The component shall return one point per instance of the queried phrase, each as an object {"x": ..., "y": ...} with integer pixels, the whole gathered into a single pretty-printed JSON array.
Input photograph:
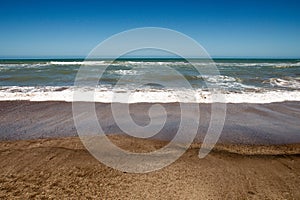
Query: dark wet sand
[
  {"x": 257, "y": 157},
  {"x": 274, "y": 123}
]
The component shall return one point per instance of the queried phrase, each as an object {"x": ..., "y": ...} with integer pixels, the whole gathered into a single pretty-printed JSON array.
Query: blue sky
[{"x": 35, "y": 28}]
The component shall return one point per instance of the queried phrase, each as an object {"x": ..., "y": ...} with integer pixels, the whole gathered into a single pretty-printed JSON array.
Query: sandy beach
[
  {"x": 42, "y": 157},
  {"x": 62, "y": 168}
]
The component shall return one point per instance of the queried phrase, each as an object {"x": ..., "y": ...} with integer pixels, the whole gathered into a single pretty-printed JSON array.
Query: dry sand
[{"x": 63, "y": 169}]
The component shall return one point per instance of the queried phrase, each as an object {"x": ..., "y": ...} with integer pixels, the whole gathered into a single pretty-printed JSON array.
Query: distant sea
[{"x": 241, "y": 80}]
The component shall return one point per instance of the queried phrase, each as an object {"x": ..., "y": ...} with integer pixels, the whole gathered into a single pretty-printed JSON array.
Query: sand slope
[{"x": 62, "y": 168}]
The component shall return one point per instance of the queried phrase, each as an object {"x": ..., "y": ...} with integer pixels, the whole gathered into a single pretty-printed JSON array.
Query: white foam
[
  {"x": 125, "y": 72},
  {"x": 106, "y": 95},
  {"x": 227, "y": 82},
  {"x": 287, "y": 83},
  {"x": 265, "y": 97},
  {"x": 285, "y": 65},
  {"x": 155, "y": 63},
  {"x": 258, "y": 64},
  {"x": 22, "y": 65},
  {"x": 77, "y": 62}
]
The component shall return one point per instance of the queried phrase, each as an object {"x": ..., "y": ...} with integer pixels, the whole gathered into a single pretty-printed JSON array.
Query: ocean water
[{"x": 240, "y": 80}]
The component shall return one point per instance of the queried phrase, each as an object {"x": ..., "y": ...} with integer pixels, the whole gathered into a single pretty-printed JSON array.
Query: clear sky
[{"x": 51, "y": 28}]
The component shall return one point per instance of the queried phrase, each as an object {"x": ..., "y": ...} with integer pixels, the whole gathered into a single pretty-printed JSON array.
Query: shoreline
[{"x": 250, "y": 150}]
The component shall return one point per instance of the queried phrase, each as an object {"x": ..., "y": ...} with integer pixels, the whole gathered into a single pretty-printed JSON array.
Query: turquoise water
[{"x": 236, "y": 75}]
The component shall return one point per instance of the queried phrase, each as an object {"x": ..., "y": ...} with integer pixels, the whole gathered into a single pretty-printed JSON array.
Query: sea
[{"x": 240, "y": 80}]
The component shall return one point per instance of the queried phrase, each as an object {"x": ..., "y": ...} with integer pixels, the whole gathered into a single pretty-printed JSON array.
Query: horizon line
[{"x": 142, "y": 57}]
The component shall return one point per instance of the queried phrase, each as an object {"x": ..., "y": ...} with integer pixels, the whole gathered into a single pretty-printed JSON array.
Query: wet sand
[
  {"x": 257, "y": 156},
  {"x": 273, "y": 123}
]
